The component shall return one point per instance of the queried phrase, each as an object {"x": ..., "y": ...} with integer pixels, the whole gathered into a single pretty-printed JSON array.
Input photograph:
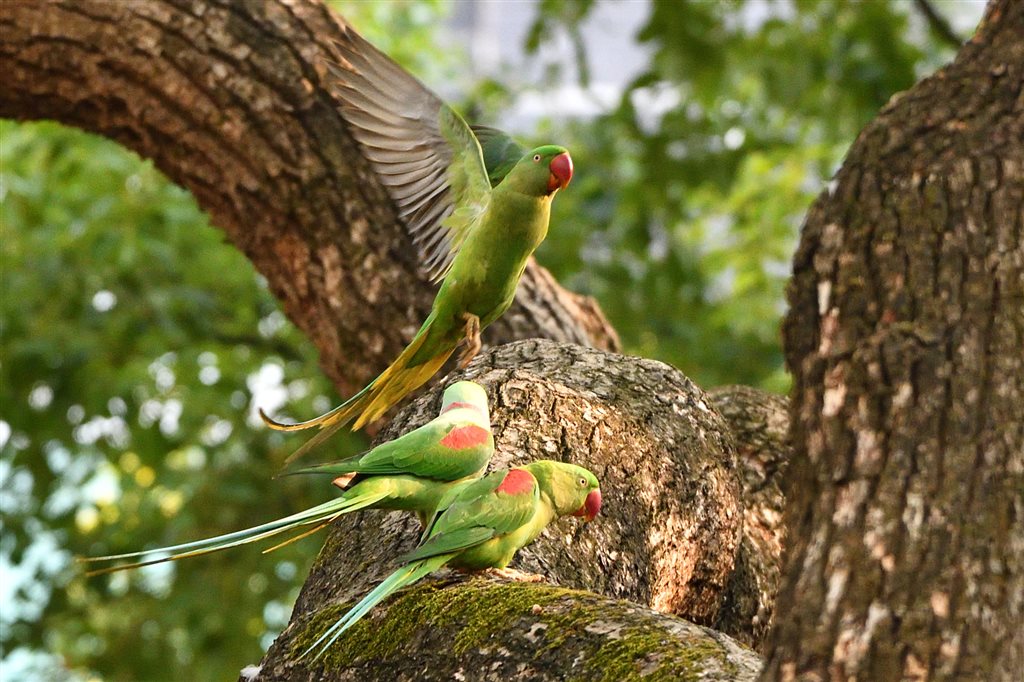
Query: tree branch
[
  {"x": 671, "y": 525},
  {"x": 939, "y": 24},
  {"x": 483, "y": 629}
]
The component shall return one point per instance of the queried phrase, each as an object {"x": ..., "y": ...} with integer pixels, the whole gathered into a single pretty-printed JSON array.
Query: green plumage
[
  {"x": 421, "y": 471},
  {"x": 488, "y": 522},
  {"x": 475, "y": 203}
]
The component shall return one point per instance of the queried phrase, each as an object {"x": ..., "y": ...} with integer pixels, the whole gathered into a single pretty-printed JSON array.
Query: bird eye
[
  {"x": 583, "y": 482},
  {"x": 536, "y": 158}
]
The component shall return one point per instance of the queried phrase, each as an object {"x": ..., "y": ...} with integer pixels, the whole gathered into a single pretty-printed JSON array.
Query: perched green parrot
[
  {"x": 473, "y": 237},
  {"x": 488, "y": 522},
  {"x": 416, "y": 472}
]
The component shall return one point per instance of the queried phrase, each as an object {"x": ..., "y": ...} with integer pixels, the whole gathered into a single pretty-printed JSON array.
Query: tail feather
[
  {"x": 393, "y": 384},
  {"x": 326, "y": 511},
  {"x": 300, "y": 536},
  {"x": 403, "y": 577},
  {"x": 321, "y": 436},
  {"x": 334, "y": 468},
  {"x": 326, "y": 418},
  {"x": 396, "y": 385}
]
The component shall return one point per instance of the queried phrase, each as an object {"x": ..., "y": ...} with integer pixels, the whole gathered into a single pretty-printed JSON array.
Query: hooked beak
[
  {"x": 561, "y": 172},
  {"x": 590, "y": 508}
]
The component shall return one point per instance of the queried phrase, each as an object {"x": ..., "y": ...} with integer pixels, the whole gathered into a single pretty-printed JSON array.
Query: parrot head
[
  {"x": 542, "y": 171},
  {"x": 571, "y": 489},
  {"x": 465, "y": 394}
]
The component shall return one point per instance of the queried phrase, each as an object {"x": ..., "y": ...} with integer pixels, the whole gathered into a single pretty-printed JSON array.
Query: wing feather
[
  {"x": 480, "y": 512},
  {"x": 427, "y": 157}
]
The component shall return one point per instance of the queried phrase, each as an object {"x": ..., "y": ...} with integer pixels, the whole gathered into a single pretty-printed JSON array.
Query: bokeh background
[{"x": 136, "y": 343}]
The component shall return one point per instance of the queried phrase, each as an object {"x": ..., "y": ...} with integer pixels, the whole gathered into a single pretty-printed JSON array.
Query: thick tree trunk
[
  {"x": 667, "y": 537},
  {"x": 226, "y": 98},
  {"x": 906, "y": 340}
]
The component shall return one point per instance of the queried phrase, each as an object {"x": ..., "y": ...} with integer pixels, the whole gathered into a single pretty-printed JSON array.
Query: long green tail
[
  {"x": 393, "y": 384},
  {"x": 403, "y": 577},
  {"x": 320, "y": 513},
  {"x": 329, "y": 422}
]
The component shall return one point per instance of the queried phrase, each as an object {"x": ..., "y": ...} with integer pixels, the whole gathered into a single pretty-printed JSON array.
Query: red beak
[
  {"x": 561, "y": 172},
  {"x": 590, "y": 508}
]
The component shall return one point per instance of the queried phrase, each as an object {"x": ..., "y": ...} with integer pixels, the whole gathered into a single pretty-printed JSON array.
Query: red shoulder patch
[
  {"x": 466, "y": 437},
  {"x": 517, "y": 482}
]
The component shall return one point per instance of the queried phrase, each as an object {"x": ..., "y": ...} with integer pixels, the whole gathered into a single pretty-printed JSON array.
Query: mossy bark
[
  {"x": 906, "y": 341},
  {"x": 228, "y": 99},
  {"x": 480, "y": 628}
]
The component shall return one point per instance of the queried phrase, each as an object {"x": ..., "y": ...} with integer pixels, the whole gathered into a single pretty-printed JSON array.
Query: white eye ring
[
  {"x": 583, "y": 482},
  {"x": 536, "y": 158}
]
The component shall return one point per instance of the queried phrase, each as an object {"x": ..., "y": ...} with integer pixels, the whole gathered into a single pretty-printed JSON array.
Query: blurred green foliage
[
  {"x": 133, "y": 337},
  {"x": 130, "y": 334},
  {"x": 690, "y": 191}
]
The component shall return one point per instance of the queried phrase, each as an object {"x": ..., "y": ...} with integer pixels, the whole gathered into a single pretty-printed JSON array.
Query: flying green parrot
[
  {"x": 488, "y": 522},
  {"x": 475, "y": 203},
  {"x": 416, "y": 472}
]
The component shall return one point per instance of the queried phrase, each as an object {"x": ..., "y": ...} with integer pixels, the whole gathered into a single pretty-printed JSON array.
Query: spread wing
[{"x": 424, "y": 153}]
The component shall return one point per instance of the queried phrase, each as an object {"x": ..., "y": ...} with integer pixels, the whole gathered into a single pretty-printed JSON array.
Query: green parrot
[
  {"x": 475, "y": 214},
  {"x": 486, "y": 524},
  {"x": 416, "y": 472}
]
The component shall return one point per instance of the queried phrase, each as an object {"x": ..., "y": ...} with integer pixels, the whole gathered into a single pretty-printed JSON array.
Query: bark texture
[
  {"x": 760, "y": 427},
  {"x": 671, "y": 523},
  {"x": 227, "y": 99},
  {"x": 906, "y": 341},
  {"x": 458, "y": 628}
]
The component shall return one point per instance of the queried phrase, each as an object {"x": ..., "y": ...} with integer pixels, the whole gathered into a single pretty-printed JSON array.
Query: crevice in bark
[{"x": 759, "y": 422}]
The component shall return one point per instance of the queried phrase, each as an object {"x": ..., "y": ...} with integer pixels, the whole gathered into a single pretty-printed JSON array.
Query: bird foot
[
  {"x": 516, "y": 575},
  {"x": 472, "y": 339}
]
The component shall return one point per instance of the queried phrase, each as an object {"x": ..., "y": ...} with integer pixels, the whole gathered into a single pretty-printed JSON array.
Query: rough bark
[
  {"x": 906, "y": 341},
  {"x": 759, "y": 422},
  {"x": 671, "y": 523},
  {"x": 454, "y": 628},
  {"x": 227, "y": 99}
]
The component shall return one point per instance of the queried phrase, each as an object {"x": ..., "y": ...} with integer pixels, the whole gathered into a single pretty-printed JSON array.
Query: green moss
[
  {"x": 649, "y": 653},
  {"x": 371, "y": 637},
  {"x": 480, "y": 610},
  {"x": 486, "y": 609}
]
